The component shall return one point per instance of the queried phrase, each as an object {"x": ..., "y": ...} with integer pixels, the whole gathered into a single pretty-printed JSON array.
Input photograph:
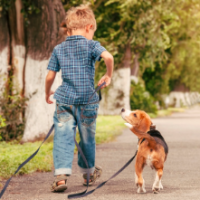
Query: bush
[
  {"x": 12, "y": 112},
  {"x": 2, "y": 122},
  {"x": 141, "y": 99}
]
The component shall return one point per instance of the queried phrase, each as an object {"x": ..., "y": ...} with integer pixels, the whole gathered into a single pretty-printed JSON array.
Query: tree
[
  {"x": 31, "y": 30},
  {"x": 130, "y": 30},
  {"x": 179, "y": 69}
]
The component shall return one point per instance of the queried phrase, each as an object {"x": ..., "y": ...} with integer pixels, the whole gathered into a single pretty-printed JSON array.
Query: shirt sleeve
[
  {"x": 97, "y": 51},
  {"x": 53, "y": 62}
]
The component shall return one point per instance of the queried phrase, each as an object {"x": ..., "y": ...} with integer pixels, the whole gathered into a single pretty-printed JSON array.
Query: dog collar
[{"x": 152, "y": 127}]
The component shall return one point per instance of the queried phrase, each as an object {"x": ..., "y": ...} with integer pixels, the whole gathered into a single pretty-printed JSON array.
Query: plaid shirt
[{"x": 76, "y": 58}]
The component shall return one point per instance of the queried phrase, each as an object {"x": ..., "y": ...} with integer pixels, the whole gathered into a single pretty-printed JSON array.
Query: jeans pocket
[
  {"x": 89, "y": 114},
  {"x": 64, "y": 112}
]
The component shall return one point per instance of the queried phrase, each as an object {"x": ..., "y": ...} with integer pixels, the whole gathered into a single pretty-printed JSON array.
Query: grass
[
  {"x": 169, "y": 111},
  {"x": 108, "y": 127},
  {"x": 12, "y": 154},
  {"x": 166, "y": 112}
]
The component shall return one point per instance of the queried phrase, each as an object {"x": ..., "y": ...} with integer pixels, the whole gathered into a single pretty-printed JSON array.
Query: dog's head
[{"x": 137, "y": 119}]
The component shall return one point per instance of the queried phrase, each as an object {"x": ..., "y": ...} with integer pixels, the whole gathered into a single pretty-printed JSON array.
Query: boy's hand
[
  {"x": 48, "y": 97},
  {"x": 109, "y": 61},
  {"x": 48, "y": 83},
  {"x": 106, "y": 79}
]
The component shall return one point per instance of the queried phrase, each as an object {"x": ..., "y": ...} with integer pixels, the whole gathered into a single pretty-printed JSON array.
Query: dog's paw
[
  {"x": 141, "y": 190},
  {"x": 155, "y": 190}
]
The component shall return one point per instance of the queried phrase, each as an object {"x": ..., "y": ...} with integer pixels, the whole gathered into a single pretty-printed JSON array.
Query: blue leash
[
  {"x": 49, "y": 133},
  {"x": 84, "y": 193}
]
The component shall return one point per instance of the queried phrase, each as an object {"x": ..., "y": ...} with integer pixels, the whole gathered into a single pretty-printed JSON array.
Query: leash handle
[{"x": 98, "y": 88}]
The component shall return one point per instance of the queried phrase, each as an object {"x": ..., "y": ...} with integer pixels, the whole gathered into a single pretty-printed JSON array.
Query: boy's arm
[
  {"x": 109, "y": 61},
  {"x": 48, "y": 83}
]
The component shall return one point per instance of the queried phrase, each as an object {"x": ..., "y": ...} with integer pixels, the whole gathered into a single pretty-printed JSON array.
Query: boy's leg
[
  {"x": 63, "y": 150},
  {"x": 87, "y": 127}
]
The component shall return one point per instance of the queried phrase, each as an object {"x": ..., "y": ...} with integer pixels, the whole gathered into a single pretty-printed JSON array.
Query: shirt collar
[{"x": 75, "y": 37}]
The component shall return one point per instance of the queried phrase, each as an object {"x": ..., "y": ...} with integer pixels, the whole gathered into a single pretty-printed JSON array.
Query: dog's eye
[{"x": 135, "y": 115}]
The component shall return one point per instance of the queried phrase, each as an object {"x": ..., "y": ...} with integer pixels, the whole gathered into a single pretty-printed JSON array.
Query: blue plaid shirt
[{"x": 76, "y": 58}]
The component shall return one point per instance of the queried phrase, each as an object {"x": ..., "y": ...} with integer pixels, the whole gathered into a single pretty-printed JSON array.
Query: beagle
[{"x": 152, "y": 148}]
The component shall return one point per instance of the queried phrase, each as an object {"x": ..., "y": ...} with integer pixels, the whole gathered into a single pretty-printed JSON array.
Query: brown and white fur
[{"x": 152, "y": 151}]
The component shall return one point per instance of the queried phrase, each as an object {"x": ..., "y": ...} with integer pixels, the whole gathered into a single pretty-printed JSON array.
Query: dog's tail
[
  {"x": 150, "y": 139},
  {"x": 143, "y": 135}
]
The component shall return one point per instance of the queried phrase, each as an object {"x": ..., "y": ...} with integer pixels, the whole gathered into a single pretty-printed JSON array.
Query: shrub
[
  {"x": 12, "y": 107},
  {"x": 141, "y": 99},
  {"x": 2, "y": 122}
]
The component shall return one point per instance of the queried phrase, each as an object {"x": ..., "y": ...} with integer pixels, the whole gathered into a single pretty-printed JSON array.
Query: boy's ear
[
  {"x": 88, "y": 27},
  {"x": 63, "y": 28}
]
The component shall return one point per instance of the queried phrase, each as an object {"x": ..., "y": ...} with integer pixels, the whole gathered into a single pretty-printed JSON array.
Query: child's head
[{"x": 81, "y": 17}]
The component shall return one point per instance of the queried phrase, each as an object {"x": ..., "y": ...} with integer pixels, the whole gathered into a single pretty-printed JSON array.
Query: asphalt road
[{"x": 181, "y": 178}]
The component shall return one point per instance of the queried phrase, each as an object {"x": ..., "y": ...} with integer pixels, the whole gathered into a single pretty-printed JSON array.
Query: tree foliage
[
  {"x": 134, "y": 23},
  {"x": 180, "y": 23},
  {"x": 165, "y": 34},
  {"x": 140, "y": 98},
  {"x": 29, "y": 7}
]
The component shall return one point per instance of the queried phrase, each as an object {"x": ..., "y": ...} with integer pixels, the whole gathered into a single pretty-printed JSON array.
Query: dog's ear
[{"x": 145, "y": 122}]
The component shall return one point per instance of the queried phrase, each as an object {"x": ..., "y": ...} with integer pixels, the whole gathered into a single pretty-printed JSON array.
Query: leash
[
  {"x": 84, "y": 193},
  {"x": 48, "y": 134}
]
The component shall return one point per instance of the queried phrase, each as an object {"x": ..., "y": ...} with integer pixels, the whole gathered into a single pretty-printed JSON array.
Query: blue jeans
[{"x": 66, "y": 119}]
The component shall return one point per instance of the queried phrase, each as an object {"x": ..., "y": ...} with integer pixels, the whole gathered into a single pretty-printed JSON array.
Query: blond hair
[{"x": 79, "y": 17}]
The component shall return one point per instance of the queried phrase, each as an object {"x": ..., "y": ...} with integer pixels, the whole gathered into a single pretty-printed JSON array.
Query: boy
[{"x": 76, "y": 57}]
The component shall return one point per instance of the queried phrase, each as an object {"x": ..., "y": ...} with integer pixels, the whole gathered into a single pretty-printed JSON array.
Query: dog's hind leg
[
  {"x": 140, "y": 184},
  {"x": 139, "y": 181},
  {"x": 157, "y": 185}
]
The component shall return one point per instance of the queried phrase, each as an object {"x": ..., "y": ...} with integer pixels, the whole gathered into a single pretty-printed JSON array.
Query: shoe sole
[{"x": 60, "y": 188}]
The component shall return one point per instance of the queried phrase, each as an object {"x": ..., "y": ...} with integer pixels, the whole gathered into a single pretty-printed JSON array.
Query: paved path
[{"x": 181, "y": 179}]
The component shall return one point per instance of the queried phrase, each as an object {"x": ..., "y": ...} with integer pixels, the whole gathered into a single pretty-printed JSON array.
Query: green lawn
[{"x": 12, "y": 155}]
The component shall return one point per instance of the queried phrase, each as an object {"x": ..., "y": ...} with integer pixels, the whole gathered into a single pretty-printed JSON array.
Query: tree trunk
[
  {"x": 27, "y": 50},
  {"x": 4, "y": 51},
  {"x": 135, "y": 69},
  {"x": 117, "y": 95},
  {"x": 43, "y": 34},
  {"x": 18, "y": 50}
]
